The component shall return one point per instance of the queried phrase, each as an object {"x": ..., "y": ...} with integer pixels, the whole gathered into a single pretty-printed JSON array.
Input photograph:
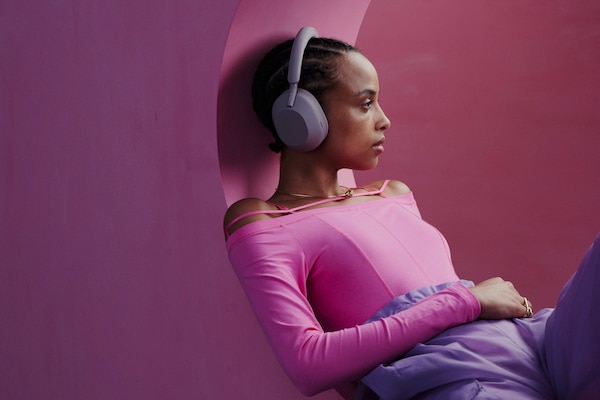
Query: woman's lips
[{"x": 379, "y": 146}]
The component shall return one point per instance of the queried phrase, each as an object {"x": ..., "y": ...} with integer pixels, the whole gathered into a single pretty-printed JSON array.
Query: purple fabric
[
  {"x": 555, "y": 354},
  {"x": 403, "y": 302},
  {"x": 572, "y": 346}
]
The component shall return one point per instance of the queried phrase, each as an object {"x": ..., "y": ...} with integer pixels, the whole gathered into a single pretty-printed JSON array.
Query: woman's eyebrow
[{"x": 366, "y": 91}]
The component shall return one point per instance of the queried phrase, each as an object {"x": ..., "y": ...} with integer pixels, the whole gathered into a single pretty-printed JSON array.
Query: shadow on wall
[{"x": 248, "y": 167}]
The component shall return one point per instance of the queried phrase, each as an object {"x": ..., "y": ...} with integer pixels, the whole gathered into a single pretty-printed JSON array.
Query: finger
[{"x": 528, "y": 308}]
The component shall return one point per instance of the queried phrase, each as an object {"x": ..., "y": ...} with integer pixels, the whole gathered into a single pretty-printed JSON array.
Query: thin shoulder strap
[
  {"x": 251, "y": 213},
  {"x": 375, "y": 191},
  {"x": 284, "y": 210},
  {"x": 381, "y": 190},
  {"x": 280, "y": 210}
]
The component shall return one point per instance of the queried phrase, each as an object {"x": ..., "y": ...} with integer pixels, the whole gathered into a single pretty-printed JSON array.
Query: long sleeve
[{"x": 274, "y": 269}]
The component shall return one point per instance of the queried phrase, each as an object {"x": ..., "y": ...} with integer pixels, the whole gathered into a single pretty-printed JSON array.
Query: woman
[{"x": 317, "y": 259}]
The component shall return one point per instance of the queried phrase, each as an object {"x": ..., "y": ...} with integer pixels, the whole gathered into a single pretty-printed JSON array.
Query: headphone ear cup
[{"x": 303, "y": 126}]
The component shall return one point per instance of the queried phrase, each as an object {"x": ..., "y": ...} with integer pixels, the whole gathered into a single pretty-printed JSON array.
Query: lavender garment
[{"x": 554, "y": 355}]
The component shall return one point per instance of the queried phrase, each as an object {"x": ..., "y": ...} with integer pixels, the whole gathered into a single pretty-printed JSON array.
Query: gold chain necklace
[{"x": 347, "y": 193}]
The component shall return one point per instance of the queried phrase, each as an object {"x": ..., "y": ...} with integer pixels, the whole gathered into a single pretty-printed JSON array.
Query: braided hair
[{"x": 319, "y": 73}]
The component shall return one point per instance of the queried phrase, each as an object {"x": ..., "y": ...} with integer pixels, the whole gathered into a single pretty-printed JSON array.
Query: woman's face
[{"x": 356, "y": 120}]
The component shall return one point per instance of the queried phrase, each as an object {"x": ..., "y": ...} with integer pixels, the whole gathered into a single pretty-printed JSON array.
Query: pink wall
[
  {"x": 494, "y": 109},
  {"x": 109, "y": 198},
  {"x": 115, "y": 172},
  {"x": 114, "y": 281}
]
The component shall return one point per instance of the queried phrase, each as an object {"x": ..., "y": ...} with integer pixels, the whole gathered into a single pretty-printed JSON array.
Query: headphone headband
[
  {"x": 295, "y": 65},
  {"x": 300, "y": 43}
]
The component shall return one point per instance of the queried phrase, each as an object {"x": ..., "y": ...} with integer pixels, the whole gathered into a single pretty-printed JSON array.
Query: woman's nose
[{"x": 384, "y": 122}]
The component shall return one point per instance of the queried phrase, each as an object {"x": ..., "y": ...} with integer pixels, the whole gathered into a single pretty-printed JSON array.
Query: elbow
[
  {"x": 308, "y": 387},
  {"x": 314, "y": 367},
  {"x": 311, "y": 380}
]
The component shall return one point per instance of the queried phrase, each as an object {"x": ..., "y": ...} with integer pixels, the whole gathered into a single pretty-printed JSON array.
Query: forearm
[{"x": 316, "y": 360}]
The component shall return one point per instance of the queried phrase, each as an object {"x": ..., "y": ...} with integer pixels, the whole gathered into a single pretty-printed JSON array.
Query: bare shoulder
[
  {"x": 245, "y": 206},
  {"x": 393, "y": 188},
  {"x": 397, "y": 188}
]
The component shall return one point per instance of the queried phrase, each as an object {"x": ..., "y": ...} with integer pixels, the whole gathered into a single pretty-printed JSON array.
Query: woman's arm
[{"x": 273, "y": 273}]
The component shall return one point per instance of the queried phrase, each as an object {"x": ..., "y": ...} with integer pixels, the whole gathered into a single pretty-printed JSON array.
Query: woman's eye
[{"x": 368, "y": 103}]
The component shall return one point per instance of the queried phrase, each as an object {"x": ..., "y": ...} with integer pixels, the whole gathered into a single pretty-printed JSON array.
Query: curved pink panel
[{"x": 247, "y": 166}]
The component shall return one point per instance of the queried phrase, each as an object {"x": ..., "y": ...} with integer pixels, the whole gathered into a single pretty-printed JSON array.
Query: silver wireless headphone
[{"x": 299, "y": 119}]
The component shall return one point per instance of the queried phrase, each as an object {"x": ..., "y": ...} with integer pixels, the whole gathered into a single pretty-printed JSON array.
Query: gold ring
[{"x": 528, "y": 309}]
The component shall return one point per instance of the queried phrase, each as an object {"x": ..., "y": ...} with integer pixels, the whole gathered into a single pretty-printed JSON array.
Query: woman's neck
[{"x": 308, "y": 179}]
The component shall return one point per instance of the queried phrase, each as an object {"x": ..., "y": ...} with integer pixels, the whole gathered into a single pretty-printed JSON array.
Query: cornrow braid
[{"x": 319, "y": 73}]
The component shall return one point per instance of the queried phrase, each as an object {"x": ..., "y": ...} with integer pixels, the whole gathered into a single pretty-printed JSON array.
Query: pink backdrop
[
  {"x": 495, "y": 122},
  {"x": 120, "y": 128}
]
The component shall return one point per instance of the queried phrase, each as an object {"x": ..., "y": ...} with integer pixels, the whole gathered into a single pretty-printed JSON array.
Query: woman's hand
[{"x": 499, "y": 300}]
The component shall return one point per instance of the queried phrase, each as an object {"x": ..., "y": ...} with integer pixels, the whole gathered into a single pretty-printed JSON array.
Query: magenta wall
[
  {"x": 495, "y": 122},
  {"x": 118, "y": 158},
  {"x": 109, "y": 198},
  {"x": 114, "y": 280}
]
